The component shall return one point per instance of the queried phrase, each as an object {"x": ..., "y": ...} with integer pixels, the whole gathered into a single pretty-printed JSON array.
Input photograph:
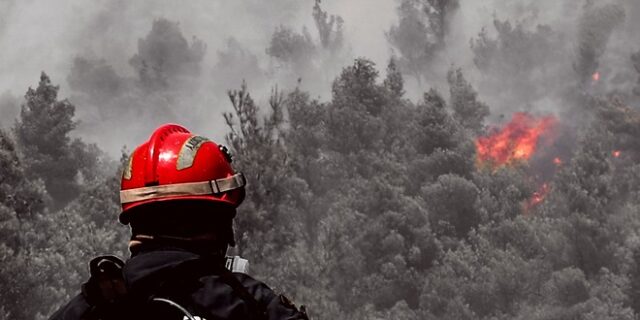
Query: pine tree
[
  {"x": 596, "y": 26},
  {"x": 165, "y": 57},
  {"x": 292, "y": 50},
  {"x": 467, "y": 110},
  {"x": 420, "y": 33},
  {"x": 43, "y": 134},
  {"x": 330, "y": 38}
]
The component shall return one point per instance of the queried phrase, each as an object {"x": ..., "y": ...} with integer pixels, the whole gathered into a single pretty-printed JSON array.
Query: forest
[{"x": 421, "y": 188}]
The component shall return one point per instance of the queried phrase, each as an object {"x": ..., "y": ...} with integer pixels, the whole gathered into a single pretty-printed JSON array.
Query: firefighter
[{"x": 179, "y": 195}]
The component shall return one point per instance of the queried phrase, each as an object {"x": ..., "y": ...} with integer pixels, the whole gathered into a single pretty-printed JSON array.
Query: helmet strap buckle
[{"x": 214, "y": 186}]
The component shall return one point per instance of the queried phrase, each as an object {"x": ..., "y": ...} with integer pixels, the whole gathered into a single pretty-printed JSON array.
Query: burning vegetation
[
  {"x": 557, "y": 161},
  {"x": 516, "y": 141},
  {"x": 537, "y": 197}
]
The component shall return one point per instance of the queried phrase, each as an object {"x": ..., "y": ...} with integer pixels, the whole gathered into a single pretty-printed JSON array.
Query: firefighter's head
[{"x": 180, "y": 186}]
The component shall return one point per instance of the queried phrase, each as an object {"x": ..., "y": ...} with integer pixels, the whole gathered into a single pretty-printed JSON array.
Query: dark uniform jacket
[{"x": 211, "y": 298}]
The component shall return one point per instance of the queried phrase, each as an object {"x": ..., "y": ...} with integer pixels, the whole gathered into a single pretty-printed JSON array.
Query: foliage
[
  {"x": 370, "y": 205},
  {"x": 301, "y": 56},
  {"x": 404, "y": 225},
  {"x": 41, "y": 237},
  {"x": 48, "y": 152},
  {"x": 514, "y": 50},
  {"x": 469, "y": 112},
  {"x": 330, "y": 38},
  {"x": 235, "y": 64},
  {"x": 596, "y": 26},
  {"x": 291, "y": 48},
  {"x": 420, "y": 33},
  {"x": 165, "y": 56}
]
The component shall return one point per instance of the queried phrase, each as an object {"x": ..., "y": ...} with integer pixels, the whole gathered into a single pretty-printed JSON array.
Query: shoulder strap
[
  {"x": 106, "y": 284},
  {"x": 106, "y": 291},
  {"x": 230, "y": 279}
]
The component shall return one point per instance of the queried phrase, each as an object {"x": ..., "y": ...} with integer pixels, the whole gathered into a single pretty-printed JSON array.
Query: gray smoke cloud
[{"x": 519, "y": 55}]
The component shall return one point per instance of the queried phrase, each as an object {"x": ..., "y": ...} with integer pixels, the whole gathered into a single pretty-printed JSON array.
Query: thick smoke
[
  {"x": 164, "y": 61},
  {"x": 132, "y": 66}
]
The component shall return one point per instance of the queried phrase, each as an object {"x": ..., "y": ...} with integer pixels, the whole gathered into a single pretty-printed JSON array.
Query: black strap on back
[
  {"x": 259, "y": 310},
  {"x": 106, "y": 284},
  {"x": 109, "y": 296},
  {"x": 106, "y": 291}
]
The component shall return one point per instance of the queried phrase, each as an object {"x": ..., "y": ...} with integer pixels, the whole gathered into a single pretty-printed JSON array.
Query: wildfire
[
  {"x": 516, "y": 141},
  {"x": 595, "y": 76},
  {"x": 557, "y": 161},
  {"x": 538, "y": 196}
]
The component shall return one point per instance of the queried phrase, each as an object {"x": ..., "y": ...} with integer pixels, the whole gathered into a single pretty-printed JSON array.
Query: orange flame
[
  {"x": 516, "y": 141},
  {"x": 557, "y": 161},
  {"x": 596, "y": 76},
  {"x": 538, "y": 196},
  {"x": 616, "y": 153}
]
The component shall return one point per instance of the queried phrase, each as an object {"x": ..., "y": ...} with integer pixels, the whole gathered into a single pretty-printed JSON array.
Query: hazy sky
[{"x": 45, "y": 36}]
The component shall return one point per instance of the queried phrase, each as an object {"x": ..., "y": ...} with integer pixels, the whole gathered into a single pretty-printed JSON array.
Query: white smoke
[{"x": 46, "y": 36}]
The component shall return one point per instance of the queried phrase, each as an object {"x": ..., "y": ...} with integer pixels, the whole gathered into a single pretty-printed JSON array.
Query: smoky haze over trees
[
  {"x": 486, "y": 168},
  {"x": 420, "y": 33}
]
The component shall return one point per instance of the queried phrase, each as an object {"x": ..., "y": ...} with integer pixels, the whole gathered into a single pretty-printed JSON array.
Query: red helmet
[{"x": 177, "y": 165}]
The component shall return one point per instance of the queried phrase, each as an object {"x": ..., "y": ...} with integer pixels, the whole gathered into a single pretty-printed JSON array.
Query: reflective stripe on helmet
[{"x": 183, "y": 189}]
